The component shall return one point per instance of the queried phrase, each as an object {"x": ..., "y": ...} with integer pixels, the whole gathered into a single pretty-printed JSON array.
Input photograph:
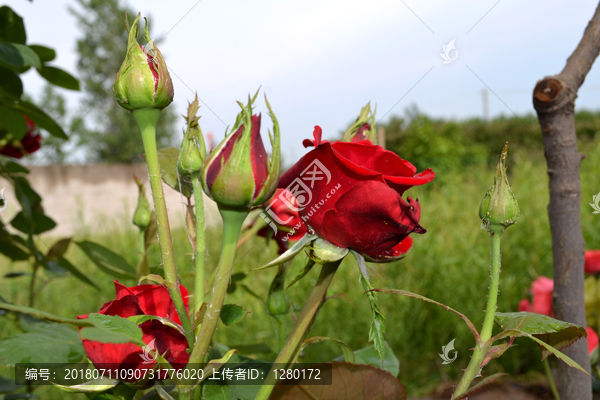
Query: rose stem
[
  {"x": 308, "y": 313},
  {"x": 232, "y": 223},
  {"x": 143, "y": 268},
  {"x": 146, "y": 120},
  {"x": 473, "y": 369},
  {"x": 200, "y": 250},
  {"x": 551, "y": 379}
]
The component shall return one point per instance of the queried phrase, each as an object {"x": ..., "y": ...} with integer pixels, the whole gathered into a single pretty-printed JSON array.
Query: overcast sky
[{"x": 319, "y": 61}]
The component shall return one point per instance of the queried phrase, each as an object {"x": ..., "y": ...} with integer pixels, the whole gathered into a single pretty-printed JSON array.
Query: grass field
[{"x": 450, "y": 263}]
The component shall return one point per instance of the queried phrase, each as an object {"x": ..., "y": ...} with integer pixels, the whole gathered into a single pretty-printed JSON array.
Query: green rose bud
[
  {"x": 238, "y": 173},
  {"x": 364, "y": 128},
  {"x": 143, "y": 80},
  {"x": 143, "y": 213},
  {"x": 277, "y": 301},
  {"x": 499, "y": 208},
  {"x": 193, "y": 150}
]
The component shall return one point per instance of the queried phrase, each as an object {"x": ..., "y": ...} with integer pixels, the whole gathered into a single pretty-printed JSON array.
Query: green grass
[{"x": 450, "y": 263}]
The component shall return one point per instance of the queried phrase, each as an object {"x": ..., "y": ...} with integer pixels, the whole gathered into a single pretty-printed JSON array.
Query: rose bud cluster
[
  {"x": 238, "y": 173},
  {"x": 143, "y": 80},
  {"x": 30, "y": 143}
]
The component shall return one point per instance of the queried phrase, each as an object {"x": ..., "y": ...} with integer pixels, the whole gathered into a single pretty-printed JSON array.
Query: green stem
[
  {"x": 551, "y": 379},
  {"x": 143, "y": 268},
  {"x": 200, "y": 250},
  {"x": 232, "y": 223},
  {"x": 304, "y": 321},
  {"x": 280, "y": 331},
  {"x": 146, "y": 120},
  {"x": 474, "y": 368}
]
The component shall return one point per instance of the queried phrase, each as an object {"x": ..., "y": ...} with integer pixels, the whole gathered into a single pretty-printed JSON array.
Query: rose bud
[
  {"x": 499, "y": 208},
  {"x": 143, "y": 80},
  {"x": 30, "y": 143},
  {"x": 363, "y": 128},
  {"x": 350, "y": 194},
  {"x": 193, "y": 150},
  {"x": 143, "y": 213},
  {"x": 277, "y": 300},
  {"x": 238, "y": 173}
]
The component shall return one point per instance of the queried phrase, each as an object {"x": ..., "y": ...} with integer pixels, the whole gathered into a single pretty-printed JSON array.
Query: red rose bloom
[
  {"x": 541, "y": 291},
  {"x": 592, "y": 262},
  {"x": 592, "y": 339},
  {"x": 350, "y": 193},
  {"x": 30, "y": 143},
  {"x": 282, "y": 211},
  {"x": 141, "y": 300}
]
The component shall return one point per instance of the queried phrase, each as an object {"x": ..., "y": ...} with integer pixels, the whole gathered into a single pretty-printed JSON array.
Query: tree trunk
[{"x": 554, "y": 101}]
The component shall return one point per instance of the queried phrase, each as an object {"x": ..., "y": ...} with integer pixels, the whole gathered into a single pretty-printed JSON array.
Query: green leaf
[
  {"x": 369, "y": 356},
  {"x": 231, "y": 314},
  {"x": 58, "y": 77},
  {"x": 52, "y": 343},
  {"x": 10, "y": 84},
  {"x": 291, "y": 252},
  {"x": 93, "y": 386},
  {"x": 377, "y": 329},
  {"x": 347, "y": 352},
  {"x": 7, "y": 385},
  {"x": 18, "y": 55},
  {"x": 58, "y": 249},
  {"x": 15, "y": 274},
  {"x": 108, "y": 261},
  {"x": 45, "y": 54},
  {"x": 418, "y": 296},
  {"x": 350, "y": 382},
  {"x": 41, "y": 223},
  {"x": 63, "y": 262},
  {"x": 309, "y": 264},
  {"x": 140, "y": 319},
  {"x": 13, "y": 121},
  {"x": 12, "y": 167},
  {"x": 41, "y": 119},
  {"x": 12, "y": 28},
  {"x": 13, "y": 246},
  {"x": 546, "y": 348},
  {"x": 558, "y": 334},
  {"x": 112, "y": 329},
  {"x": 19, "y": 396},
  {"x": 162, "y": 393},
  {"x": 219, "y": 392},
  {"x": 167, "y": 158},
  {"x": 44, "y": 315}
]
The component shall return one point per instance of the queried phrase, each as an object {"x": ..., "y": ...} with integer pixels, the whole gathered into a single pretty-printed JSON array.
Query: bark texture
[{"x": 554, "y": 101}]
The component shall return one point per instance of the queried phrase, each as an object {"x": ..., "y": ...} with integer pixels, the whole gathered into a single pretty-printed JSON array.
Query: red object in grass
[
  {"x": 541, "y": 291},
  {"x": 592, "y": 262}
]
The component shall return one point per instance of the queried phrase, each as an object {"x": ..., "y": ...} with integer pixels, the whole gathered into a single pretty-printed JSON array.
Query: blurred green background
[{"x": 450, "y": 263}]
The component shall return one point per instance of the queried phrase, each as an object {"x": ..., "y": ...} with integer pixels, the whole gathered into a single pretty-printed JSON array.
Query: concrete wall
[{"x": 99, "y": 197}]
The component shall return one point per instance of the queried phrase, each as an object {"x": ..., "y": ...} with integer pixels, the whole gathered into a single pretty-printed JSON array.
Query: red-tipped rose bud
[
  {"x": 363, "y": 129},
  {"x": 143, "y": 80},
  {"x": 238, "y": 173}
]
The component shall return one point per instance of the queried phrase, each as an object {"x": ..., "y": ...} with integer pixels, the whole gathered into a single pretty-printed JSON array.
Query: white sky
[{"x": 319, "y": 61}]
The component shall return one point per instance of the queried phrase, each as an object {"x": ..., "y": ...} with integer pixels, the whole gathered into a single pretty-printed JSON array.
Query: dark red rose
[
  {"x": 592, "y": 262},
  {"x": 141, "y": 300},
  {"x": 284, "y": 215},
  {"x": 30, "y": 143},
  {"x": 350, "y": 193}
]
